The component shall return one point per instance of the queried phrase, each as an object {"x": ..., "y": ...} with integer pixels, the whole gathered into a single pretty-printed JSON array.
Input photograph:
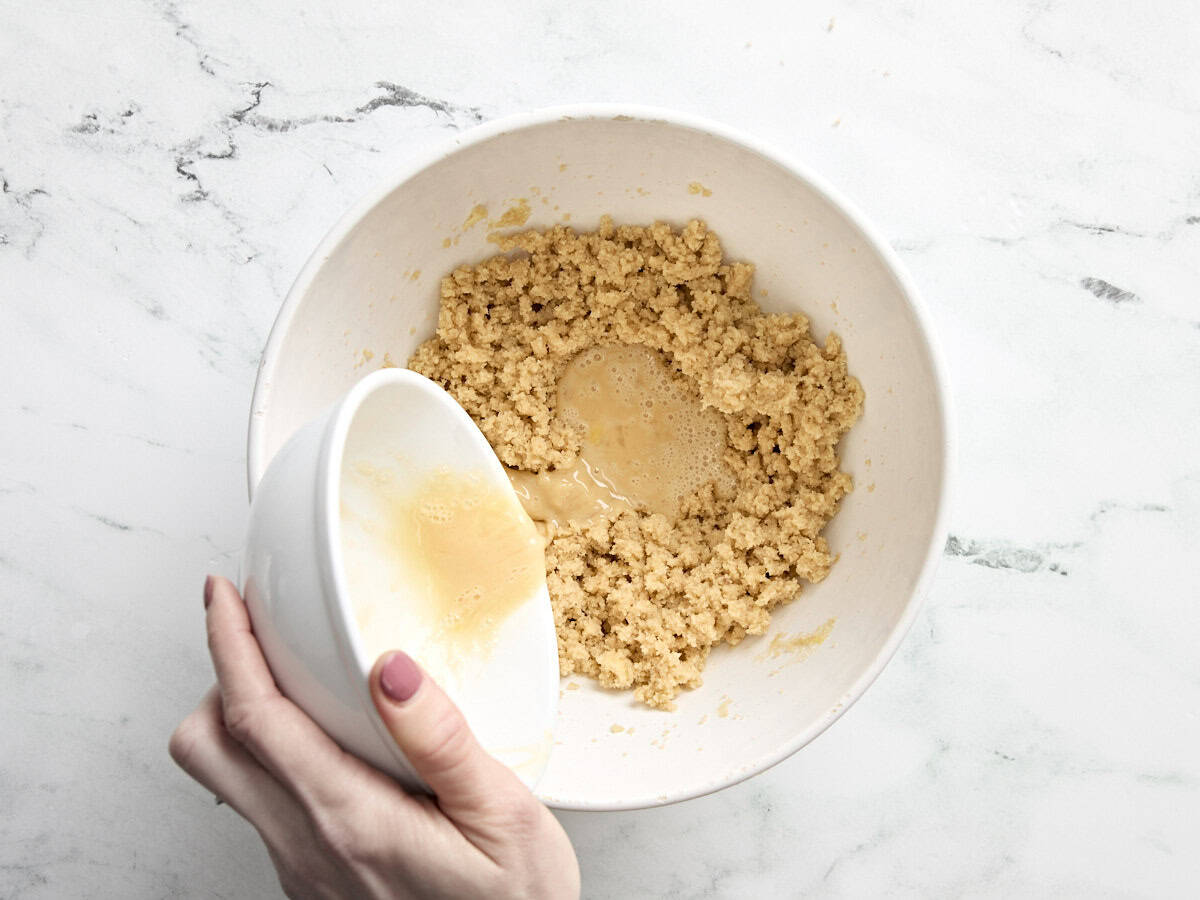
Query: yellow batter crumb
[
  {"x": 640, "y": 600},
  {"x": 478, "y": 214},
  {"x": 514, "y": 216}
]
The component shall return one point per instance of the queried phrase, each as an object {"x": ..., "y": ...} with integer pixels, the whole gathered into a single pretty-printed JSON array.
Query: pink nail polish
[
  {"x": 208, "y": 589},
  {"x": 400, "y": 677}
]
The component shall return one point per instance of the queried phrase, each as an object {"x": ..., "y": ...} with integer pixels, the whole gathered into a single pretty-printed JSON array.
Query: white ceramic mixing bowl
[
  {"x": 401, "y": 428},
  {"x": 371, "y": 289}
]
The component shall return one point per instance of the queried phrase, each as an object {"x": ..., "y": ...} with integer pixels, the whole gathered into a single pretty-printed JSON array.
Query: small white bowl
[
  {"x": 403, "y": 427},
  {"x": 371, "y": 288}
]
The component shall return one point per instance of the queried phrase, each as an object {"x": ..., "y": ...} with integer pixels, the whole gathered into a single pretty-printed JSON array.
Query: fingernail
[
  {"x": 208, "y": 589},
  {"x": 400, "y": 676}
]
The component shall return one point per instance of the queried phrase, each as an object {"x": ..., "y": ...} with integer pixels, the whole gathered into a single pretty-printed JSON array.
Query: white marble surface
[{"x": 166, "y": 167}]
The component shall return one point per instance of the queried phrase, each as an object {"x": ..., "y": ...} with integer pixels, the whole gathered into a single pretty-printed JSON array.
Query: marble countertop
[{"x": 167, "y": 166}]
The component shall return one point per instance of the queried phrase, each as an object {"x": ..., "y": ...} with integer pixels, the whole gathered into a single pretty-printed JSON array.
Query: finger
[
  {"x": 301, "y": 756},
  {"x": 202, "y": 748},
  {"x": 242, "y": 672},
  {"x": 432, "y": 733}
]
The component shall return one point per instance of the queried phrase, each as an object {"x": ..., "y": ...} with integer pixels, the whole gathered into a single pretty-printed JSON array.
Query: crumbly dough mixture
[{"x": 641, "y": 600}]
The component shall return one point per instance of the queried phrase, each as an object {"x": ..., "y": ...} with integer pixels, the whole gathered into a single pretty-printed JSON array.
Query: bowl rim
[
  {"x": 256, "y": 465},
  {"x": 335, "y": 590}
]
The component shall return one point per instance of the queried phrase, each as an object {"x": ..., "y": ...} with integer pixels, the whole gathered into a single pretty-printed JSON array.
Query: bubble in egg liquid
[{"x": 646, "y": 431}]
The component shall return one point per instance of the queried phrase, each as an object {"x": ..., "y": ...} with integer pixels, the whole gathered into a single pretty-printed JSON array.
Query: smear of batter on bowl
[
  {"x": 798, "y": 646},
  {"x": 478, "y": 214},
  {"x": 527, "y": 758},
  {"x": 666, "y": 554},
  {"x": 514, "y": 216}
]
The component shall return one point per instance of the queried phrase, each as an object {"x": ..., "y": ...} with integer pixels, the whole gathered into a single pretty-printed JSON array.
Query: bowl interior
[
  {"x": 370, "y": 295},
  {"x": 402, "y": 432}
]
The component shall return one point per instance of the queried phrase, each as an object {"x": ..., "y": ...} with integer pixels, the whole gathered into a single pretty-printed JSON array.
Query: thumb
[{"x": 434, "y": 736}]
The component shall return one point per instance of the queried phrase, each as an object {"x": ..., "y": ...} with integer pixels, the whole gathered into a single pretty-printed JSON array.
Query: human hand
[{"x": 335, "y": 826}]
